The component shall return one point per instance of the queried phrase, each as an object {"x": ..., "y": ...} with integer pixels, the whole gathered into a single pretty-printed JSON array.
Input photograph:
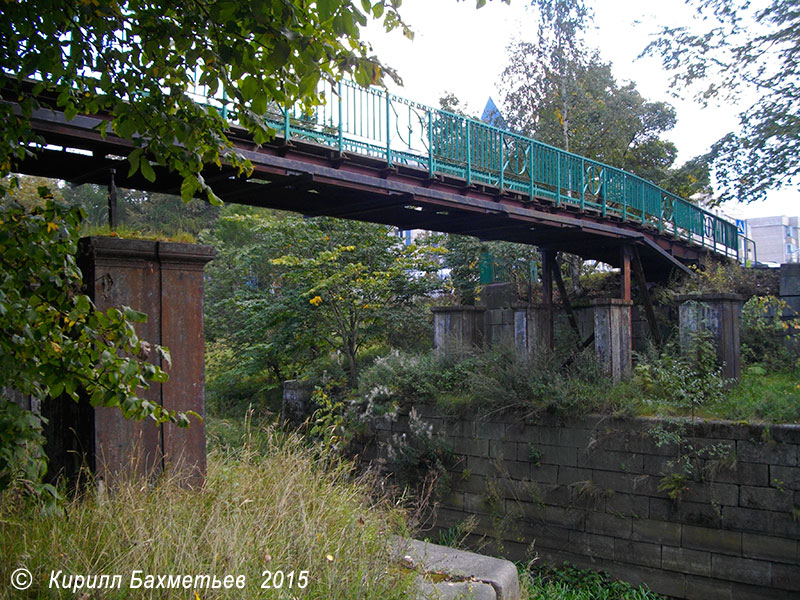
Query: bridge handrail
[{"x": 376, "y": 123}]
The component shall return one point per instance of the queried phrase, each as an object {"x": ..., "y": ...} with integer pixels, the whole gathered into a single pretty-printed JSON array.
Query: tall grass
[
  {"x": 268, "y": 504},
  {"x": 571, "y": 583}
]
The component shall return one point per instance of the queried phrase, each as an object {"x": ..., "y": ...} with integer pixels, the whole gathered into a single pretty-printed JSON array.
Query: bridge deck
[{"x": 590, "y": 209}]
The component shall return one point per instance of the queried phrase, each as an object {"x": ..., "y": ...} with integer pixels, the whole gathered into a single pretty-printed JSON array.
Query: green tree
[
  {"x": 512, "y": 262},
  {"x": 560, "y": 92},
  {"x": 139, "y": 62},
  {"x": 285, "y": 291},
  {"x": 53, "y": 341},
  {"x": 608, "y": 122},
  {"x": 354, "y": 277},
  {"x": 737, "y": 50}
]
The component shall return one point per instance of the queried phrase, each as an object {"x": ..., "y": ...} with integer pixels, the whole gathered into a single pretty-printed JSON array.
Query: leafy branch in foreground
[
  {"x": 733, "y": 51},
  {"x": 55, "y": 344},
  {"x": 140, "y": 62}
]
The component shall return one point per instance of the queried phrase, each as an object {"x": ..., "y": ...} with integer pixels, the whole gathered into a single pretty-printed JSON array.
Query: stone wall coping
[
  {"x": 780, "y": 432},
  {"x": 710, "y": 297},
  {"x": 499, "y": 573},
  {"x": 610, "y": 302},
  {"x": 458, "y": 308}
]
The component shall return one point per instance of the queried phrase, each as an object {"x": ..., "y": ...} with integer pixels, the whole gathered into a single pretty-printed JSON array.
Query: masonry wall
[{"x": 586, "y": 491}]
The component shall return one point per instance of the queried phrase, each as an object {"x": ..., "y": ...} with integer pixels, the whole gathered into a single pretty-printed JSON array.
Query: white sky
[{"x": 462, "y": 50}]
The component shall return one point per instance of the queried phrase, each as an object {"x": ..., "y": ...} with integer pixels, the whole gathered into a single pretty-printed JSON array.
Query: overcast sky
[{"x": 462, "y": 50}]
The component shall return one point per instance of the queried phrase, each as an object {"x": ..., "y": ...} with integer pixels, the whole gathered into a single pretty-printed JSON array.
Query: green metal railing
[{"x": 376, "y": 123}]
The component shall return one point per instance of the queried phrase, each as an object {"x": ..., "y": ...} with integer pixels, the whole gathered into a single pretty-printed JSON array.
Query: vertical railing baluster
[
  {"x": 583, "y": 184},
  {"x": 388, "y": 130},
  {"x": 502, "y": 161},
  {"x": 530, "y": 170},
  {"x": 604, "y": 188},
  {"x": 286, "y": 125},
  {"x": 641, "y": 185},
  {"x": 341, "y": 126},
  {"x": 430, "y": 144},
  {"x": 624, "y": 197},
  {"x": 469, "y": 154},
  {"x": 558, "y": 178},
  {"x": 674, "y": 216},
  {"x": 714, "y": 231}
]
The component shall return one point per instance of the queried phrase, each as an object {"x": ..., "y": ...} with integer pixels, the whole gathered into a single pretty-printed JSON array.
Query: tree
[
  {"x": 734, "y": 51},
  {"x": 286, "y": 290},
  {"x": 557, "y": 55},
  {"x": 139, "y": 62},
  {"x": 610, "y": 123}
]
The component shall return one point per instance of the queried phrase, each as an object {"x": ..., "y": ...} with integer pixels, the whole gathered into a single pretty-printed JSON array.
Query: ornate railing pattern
[{"x": 376, "y": 123}]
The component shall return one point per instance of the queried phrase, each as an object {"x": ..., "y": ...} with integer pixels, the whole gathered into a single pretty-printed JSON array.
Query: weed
[
  {"x": 456, "y": 536},
  {"x": 570, "y": 583},
  {"x": 534, "y": 455},
  {"x": 674, "y": 485},
  {"x": 779, "y": 485},
  {"x": 591, "y": 491}
]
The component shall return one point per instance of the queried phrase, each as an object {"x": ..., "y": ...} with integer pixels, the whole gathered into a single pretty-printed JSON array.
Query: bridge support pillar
[
  {"x": 719, "y": 315},
  {"x": 533, "y": 329},
  {"x": 548, "y": 264},
  {"x": 165, "y": 281},
  {"x": 626, "y": 254},
  {"x": 612, "y": 336},
  {"x": 458, "y": 328}
]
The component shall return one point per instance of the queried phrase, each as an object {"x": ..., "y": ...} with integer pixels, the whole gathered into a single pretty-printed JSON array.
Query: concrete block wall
[{"x": 587, "y": 492}]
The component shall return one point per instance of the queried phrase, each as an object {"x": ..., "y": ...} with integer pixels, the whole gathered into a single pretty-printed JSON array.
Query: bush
[
  {"x": 55, "y": 346},
  {"x": 765, "y": 333},
  {"x": 498, "y": 378},
  {"x": 676, "y": 384}
]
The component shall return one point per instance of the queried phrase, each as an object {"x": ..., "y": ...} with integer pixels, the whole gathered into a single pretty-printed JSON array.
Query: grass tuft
[{"x": 268, "y": 504}]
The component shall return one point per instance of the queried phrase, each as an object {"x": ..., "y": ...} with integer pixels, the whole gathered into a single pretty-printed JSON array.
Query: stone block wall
[{"x": 587, "y": 492}]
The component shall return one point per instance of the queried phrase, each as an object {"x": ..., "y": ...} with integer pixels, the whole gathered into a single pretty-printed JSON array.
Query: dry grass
[{"x": 269, "y": 504}]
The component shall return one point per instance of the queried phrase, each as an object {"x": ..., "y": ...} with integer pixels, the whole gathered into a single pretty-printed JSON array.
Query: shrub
[
  {"x": 765, "y": 332},
  {"x": 679, "y": 384},
  {"x": 497, "y": 378},
  {"x": 570, "y": 583}
]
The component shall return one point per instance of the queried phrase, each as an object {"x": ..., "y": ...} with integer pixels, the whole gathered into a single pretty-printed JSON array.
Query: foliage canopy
[
  {"x": 139, "y": 62},
  {"x": 286, "y": 291},
  {"x": 563, "y": 94},
  {"x": 737, "y": 51}
]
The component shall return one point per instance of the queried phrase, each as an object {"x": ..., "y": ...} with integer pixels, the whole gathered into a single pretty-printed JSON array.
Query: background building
[{"x": 777, "y": 238}]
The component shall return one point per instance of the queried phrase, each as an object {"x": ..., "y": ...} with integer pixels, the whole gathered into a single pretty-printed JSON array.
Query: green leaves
[
  {"x": 147, "y": 170},
  {"x": 308, "y": 286},
  {"x": 54, "y": 344},
  {"x": 743, "y": 50},
  {"x": 251, "y": 56}
]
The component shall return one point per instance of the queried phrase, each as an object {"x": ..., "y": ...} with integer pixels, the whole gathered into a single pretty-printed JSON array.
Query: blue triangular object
[{"x": 491, "y": 115}]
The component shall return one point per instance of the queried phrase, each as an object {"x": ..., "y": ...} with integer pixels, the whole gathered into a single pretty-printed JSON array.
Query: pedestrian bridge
[{"x": 369, "y": 155}]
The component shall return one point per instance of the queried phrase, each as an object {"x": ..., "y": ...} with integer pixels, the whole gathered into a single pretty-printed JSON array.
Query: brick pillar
[
  {"x": 165, "y": 281},
  {"x": 533, "y": 329},
  {"x": 612, "y": 336},
  {"x": 790, "y": 285},
  {"x": 457, "y": 328},
  {"x": 719, "y": 314}
]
